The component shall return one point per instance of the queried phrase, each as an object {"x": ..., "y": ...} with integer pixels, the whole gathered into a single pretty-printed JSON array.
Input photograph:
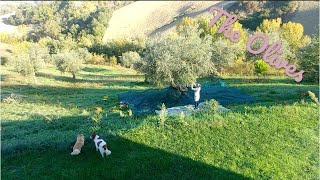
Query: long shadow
[
  {"x": 90, "y": 69},
  {"x": 282, "y": 94},
  {"x": 42, "y": 132},
  {"x": 129, "y": 160},
  {"x": 121, "y": 80},
  {"x": 253, "y": 80},
  {"x": 82, "y": 97}
]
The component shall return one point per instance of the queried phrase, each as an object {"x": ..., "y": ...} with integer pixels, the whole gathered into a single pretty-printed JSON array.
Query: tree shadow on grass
[
  {"x": 270, "y": 91},
  {"x": 54, "y": 131},
  {"x": 119, "y": 80},
  {"x": 252, "y": 80},
  {"x": 129, "y": 160},
  {"x": 89, "y": 69},
  {"x": 68, "y": 96}
]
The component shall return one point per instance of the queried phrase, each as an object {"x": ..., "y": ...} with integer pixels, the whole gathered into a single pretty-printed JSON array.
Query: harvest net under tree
[{"x": 146, "y": 102}]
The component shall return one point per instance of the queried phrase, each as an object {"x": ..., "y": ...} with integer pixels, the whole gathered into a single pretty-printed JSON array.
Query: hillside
[
  {"x": 5, "y": 28},
  {"x": 152, "y": 17},
  {"x": 307, "y": 14}
]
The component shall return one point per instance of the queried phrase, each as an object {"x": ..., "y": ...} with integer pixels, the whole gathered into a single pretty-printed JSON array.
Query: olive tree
[
  {"x": 178, "y": 60},
  {"x": 70, "y": 62},
  {"x": 129, "y": 59},
  {"x": 224, "y": 53},
  {"x": 31, "y": 62},
  {"x": 309, "y": 60}
]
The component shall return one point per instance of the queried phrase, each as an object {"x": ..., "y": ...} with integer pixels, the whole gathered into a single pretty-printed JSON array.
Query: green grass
[{"x": 275, "y": 137}]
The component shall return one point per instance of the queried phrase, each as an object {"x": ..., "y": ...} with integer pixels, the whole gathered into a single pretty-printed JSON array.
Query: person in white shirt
[{"x": 196, "y": 88}]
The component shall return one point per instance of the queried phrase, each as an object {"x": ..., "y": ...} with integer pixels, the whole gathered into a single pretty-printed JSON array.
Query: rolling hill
[{"x": 152, "y": 17}]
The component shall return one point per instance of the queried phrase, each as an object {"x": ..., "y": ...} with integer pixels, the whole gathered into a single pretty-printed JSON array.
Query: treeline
[
  {"x": 194, "y": 51},
  {"x": 252, "y": 13},
  {"x": 84, "y": 23}
]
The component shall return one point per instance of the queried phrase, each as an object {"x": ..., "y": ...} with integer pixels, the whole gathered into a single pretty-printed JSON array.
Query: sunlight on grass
[{"x": 275, "y": 137}]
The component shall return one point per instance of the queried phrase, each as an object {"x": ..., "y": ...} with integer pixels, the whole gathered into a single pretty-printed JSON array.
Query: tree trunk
[
  {"x": 73, "y": 76},
  {"x": 34, "y": 78}
]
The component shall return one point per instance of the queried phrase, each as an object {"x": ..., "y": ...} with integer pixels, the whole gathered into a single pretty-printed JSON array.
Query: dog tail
[{"x": 75, "y": 152}]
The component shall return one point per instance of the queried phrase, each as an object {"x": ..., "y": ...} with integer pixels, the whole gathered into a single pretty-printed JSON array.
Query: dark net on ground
[{"x": 146, "y": 102}]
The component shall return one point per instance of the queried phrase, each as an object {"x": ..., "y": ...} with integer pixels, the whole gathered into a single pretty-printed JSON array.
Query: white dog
[{"x": 101, "y": 145}]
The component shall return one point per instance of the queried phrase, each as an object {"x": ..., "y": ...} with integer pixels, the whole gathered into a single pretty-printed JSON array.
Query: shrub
[
  {"x": 4, "y": 60},
  {"x": 162, "y": 115},
  {"x": 117, "y": 47},
  {"x": 309, "y": 60},
  {"x": 252, "y": 6},
  {"x": 184, "y": 23},
  {"x": 128, "y": 59},
  {"x": 268, "y": 26},
  {"x": 113, "y": 61},
  {"x": 210, "y": 106},
  {"x": 260, "y": 67},
  {"x": 96, "y": 59},
  {"x": 9, "y": 38}
]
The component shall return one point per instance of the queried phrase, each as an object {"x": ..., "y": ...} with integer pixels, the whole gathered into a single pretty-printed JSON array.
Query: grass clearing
[{"x": 276, "y": 137}]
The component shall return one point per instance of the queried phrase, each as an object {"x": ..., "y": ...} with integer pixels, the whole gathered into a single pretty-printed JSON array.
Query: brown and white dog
[
  {"x": 78, "y": 145},
  {"x": 101, "y": 145}
]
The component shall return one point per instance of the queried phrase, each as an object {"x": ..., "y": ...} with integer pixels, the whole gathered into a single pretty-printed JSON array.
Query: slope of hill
[
  {"x": 5, "y": 27},
  {"x": 308, "y": 15},
  {"x": 151, "y": 17}
]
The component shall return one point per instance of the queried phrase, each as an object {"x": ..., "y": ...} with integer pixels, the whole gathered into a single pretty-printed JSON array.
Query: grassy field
[{"x": 276, "y": 137}]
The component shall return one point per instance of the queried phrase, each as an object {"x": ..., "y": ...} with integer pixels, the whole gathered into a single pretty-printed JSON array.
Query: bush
[
  {"x": 210, "y": 106},
  {"x": 241, "y": 68},
  {"x": 9, "y": 38},
  {"x": 113, "y": 61},
  {"x": 117, "y": 47},
  {"x": 252, "y": 6},
  {"x": 128, "y": 59},
  {"x": 96, "y": 59},
  {"x": 260, "y": 67},
  {"x": 309, "y": 60},
  {"x": 163, "y": 115},
  {"x": 4, "y": 60}
]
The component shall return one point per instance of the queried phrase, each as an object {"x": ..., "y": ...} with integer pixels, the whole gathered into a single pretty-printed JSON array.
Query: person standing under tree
[{"x": 196, "y": 88}]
